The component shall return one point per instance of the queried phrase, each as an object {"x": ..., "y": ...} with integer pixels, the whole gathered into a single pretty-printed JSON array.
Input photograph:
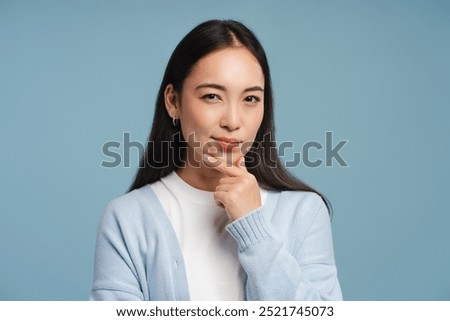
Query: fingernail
[{"x": 207, "y": 157}]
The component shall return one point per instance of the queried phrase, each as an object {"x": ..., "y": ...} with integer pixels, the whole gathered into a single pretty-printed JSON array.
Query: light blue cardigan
[{"x": 285, "y": 249}]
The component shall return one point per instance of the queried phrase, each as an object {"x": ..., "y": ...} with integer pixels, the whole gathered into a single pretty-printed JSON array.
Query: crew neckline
[{"x": 183, "y": 189}]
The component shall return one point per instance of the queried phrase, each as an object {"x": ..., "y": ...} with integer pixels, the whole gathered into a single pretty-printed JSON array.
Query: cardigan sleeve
[
  {"x": 115, "y": 277},
  {"x": 307, "y": 272}
]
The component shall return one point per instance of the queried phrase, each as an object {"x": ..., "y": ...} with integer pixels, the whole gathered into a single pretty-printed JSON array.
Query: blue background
[{"x": 76, "y": 74}]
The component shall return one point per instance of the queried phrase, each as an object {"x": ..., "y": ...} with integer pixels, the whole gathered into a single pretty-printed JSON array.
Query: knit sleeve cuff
[{"x": 250, "y": 228}]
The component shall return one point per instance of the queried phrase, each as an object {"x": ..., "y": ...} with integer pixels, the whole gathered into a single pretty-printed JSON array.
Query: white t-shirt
[{"x": 210, "y": 252}]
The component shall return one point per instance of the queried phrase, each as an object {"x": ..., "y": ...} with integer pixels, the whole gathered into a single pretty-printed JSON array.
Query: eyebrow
[{"x": 222, "y": 88}]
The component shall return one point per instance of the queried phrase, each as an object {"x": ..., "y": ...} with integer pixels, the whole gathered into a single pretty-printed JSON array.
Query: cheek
[
  {"x": 195, "y": 123},
  {"x": 261, "y": 115},
  {"x": 256, "y": 120}
]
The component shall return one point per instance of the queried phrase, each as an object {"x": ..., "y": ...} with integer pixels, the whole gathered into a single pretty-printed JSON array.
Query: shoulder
[
  {"x": 300, "y": 201},
  {"x": 127, "y": 201},
  {"x": 295, "y": 209},
  {"x": 133, "y": 206}
]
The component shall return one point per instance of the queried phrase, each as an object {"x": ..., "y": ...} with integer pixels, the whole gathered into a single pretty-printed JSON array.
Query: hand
[{"x": 238, "y": 192}]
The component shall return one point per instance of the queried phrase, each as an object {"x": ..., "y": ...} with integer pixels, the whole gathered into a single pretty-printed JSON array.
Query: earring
[{"x": 175, "y": 121}]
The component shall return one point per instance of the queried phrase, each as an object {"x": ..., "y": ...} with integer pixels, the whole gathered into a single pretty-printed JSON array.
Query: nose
[{"x": 231, "y": 119}]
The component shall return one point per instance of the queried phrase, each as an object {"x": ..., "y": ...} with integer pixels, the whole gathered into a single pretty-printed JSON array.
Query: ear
[{"x": 171, "y": 101}]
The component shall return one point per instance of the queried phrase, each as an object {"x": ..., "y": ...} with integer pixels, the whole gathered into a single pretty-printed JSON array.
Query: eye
[
  {"x": 211, "y": 97},
  {"x": 252, "y": 99}
]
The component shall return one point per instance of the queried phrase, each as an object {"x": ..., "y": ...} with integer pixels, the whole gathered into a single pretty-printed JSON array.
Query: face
[{"x": 221, "y": 105}]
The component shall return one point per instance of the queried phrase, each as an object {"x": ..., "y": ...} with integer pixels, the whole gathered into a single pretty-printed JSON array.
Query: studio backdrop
[{"x": 361, "y": 109}]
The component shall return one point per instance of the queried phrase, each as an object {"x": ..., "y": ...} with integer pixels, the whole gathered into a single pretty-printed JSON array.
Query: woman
[{"x": 212, "y": 213}]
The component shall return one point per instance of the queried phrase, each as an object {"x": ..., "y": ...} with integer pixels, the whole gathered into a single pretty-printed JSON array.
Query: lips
[
  {"x": 228, "y": 143},
  {"x": 228, "y": 140}
]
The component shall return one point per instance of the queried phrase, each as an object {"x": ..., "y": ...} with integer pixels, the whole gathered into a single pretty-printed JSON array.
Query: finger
[
  {"x": 220, "y": 197},
  {"x": 230, "y": 180},
  {"x": 224, "y": 187},
  {"x": 241, "y": 163},
  {"x": 223, "y": 167}
]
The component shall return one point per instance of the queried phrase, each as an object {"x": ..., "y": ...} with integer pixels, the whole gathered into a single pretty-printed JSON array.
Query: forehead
[{"x": 232, "y": 67}]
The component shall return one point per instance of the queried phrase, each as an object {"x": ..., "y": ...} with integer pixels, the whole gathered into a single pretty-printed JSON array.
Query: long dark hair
[{"x": 165, "y": 147}]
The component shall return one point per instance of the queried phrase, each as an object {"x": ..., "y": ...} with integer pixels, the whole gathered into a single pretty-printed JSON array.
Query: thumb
[{"x": 241, "y": 163}]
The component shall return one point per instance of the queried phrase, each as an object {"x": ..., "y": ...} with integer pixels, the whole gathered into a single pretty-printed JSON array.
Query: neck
[
  {"x": 202, "y": 178},
  {"x": 198, "y": 175}
]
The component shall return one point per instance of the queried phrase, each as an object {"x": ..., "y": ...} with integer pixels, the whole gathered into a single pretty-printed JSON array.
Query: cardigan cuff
[{"x": 250, "y": 228}]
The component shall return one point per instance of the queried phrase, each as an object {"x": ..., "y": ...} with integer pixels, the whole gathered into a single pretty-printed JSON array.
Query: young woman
[{"x": 212, "y": 213}]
